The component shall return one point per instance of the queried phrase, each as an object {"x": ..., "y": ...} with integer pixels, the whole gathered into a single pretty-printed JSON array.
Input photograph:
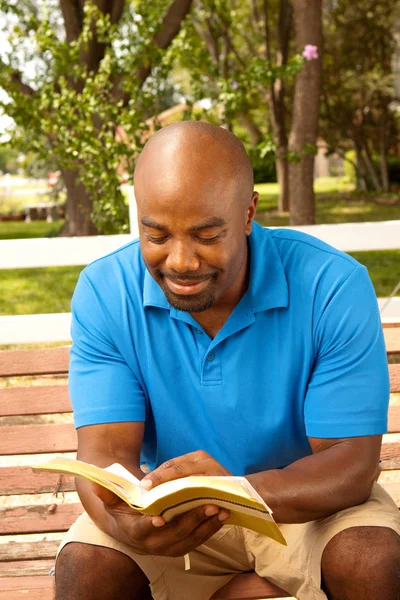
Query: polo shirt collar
[{"x": 268, "y": 285}]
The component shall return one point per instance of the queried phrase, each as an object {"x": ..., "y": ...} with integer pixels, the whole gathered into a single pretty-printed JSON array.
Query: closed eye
[
  {"x": 209, "y": 240},
  {"x": 157, "y": 240}
]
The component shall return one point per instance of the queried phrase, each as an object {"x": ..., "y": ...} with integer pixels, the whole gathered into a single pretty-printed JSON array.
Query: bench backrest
[{"x": 27, "y": 439}]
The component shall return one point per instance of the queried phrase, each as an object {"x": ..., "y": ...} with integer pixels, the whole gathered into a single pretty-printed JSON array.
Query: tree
[
  {"x": 95, "y": 71},
  {"x": 241, "y": 61},
  {"x": 358, "y": 87},
  {"x": 307, "y": 16}
]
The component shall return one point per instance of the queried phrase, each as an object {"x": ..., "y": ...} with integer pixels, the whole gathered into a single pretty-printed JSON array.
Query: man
[{"x": 218, "y": 347}]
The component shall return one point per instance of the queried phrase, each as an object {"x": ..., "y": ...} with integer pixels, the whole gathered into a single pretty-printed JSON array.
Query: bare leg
[
  {"x": 362, "y": 563},
  {"x": 88, "y": 572}
]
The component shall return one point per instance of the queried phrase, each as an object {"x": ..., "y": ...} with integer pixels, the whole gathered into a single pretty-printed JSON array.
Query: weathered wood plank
[
  {"x": 37, "y": 439},
  {"x": 34, "y": 400},
  {"x": 26, "y": 568},
  {"x": 390, "y": 464},
  {"x": 390, "y": 451},
  {"x": 394, "y": 372},
  {"x": 392, "y": 340},
  {"x": 33, "y": 588},
  {"x": 249, "y": 586},
  {"x": 17, "y": 550},
  {"x": 394, "y": 420},
  {"x": 46, "y": 361},
  {"x": 24, "y": 480},
  {"x": 38, "y": 518}
]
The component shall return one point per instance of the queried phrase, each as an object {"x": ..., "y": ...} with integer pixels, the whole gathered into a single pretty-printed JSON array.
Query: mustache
[{"x": 187, "y": 276}]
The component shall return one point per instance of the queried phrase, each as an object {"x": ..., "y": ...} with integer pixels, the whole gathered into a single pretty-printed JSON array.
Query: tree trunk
[
  {"x": 383, "y": 159},
  {"x": 282, "y": 173},
  {"x": 78, "y": 208},
  {"x": 303, "y": 136},
  {"x": 370, "y": 165},
  {"x": 361, "y": 171},
  {"x": 252, "y": 129}
]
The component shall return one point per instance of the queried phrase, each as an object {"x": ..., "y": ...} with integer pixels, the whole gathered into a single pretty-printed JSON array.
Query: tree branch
[
  {"x": 72, "y": 13},
  {"x": 25, "y": 89}
]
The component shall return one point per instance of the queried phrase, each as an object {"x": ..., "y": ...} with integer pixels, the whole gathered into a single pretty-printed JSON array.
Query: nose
[{"x": 182, "y": 258}]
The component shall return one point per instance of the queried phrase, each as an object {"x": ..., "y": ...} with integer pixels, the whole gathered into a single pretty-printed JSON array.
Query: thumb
[{"x": 107, "y": 497}]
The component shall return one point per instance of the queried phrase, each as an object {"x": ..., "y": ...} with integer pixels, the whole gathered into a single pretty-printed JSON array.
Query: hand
[
  {"x": 194, "y": 463},
  {"x": 151, "y": 535}
]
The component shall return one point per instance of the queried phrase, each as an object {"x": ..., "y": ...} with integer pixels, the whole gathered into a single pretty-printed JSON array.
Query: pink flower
[{"x": 310, "y": 52}]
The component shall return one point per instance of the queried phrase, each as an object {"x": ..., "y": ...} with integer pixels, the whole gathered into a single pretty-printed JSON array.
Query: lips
[{"x": 186, "y": 287}]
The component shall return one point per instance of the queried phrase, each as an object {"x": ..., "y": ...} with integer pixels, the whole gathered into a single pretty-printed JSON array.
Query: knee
[{"x": 362, "y": 553}]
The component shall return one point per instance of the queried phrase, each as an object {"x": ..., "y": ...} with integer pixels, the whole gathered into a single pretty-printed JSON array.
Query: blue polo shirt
[{"x": 301, "y": 355}]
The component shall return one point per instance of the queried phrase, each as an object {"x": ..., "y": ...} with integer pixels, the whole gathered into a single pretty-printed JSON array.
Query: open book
[{"x": 247, "y": 508}]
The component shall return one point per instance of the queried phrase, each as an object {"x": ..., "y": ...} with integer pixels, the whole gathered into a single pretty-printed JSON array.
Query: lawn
[
  {"x": 35, "y": 291},
  {"x": 336, "y": 202},
  {"x": 16, "y": 230}
]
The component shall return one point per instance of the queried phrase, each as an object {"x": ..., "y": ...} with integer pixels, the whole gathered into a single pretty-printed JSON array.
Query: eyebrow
[{"x": 215, "y": 222}]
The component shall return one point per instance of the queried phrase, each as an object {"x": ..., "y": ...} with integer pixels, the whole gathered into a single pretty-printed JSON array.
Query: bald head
[{"x": 193, "y": 153}]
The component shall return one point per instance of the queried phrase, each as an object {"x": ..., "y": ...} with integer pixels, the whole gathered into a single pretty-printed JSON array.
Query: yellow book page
[
  {"x": 126, "y": 489},
  {"x": 231, "y": 486}
]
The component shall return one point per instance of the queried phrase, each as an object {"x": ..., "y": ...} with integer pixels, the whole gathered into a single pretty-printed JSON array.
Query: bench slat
[
  {"x": 37, "y": 439},
  {"x": 36, "y": 518},
  {"x": 394, "y": 372},
  {"x": 46, "y": 361},
  {"x": 26, "y": 568},
  {"x": 34, "y": 588},
  {"x": 28, "y": 550},
  {"x": 390, "y": 464},
  {"x": 392, "y": 340},
  {"x": 23, "y": 480},
  {"x": 394, "y": 420},
  {"x": 238, "y": 589},
  {"x": 390, "y": 451},
  {"x": 34, "y": 400}
]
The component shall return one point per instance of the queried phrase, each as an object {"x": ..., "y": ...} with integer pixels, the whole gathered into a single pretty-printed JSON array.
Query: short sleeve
[
  {"x": 348, "y": 392},
  {"x": 103, "y": 387}
]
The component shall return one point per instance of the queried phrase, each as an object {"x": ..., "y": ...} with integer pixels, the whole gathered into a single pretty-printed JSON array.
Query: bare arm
[
  {"x": 339, "y": 474},
  {"x": 103, "y": 445}
]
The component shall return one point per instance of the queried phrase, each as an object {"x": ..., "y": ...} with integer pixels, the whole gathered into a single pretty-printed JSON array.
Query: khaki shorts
[{"x": 295, "y": 568}]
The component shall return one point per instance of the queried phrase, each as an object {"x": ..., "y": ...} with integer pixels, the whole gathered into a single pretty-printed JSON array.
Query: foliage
[
  {"x": 224, "y": 51},
  {"x": 358, "y": 93},
  {"x": 8, "y": 159},
  {"x": 85, "y": 101}
]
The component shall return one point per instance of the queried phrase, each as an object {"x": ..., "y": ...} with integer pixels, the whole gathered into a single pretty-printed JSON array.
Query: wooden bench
[{"x": 25, "y": 563}]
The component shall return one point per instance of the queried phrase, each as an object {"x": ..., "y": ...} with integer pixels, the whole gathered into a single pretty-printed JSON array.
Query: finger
[
  {"x": 107, "y": 497},
  {"x": 195, "y": 463},
  {"x": 204, "y": 531}
]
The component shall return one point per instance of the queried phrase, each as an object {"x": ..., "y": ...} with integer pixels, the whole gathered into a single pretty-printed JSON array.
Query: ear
[{"x": 251, "y": 213}]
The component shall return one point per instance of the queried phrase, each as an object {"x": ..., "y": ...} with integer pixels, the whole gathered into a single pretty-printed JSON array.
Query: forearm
[
  {"x": 316, "y": 486},
  {"x": 94, "y": 506}
]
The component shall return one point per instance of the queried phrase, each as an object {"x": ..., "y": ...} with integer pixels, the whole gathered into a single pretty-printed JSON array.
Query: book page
[
  {"x": 113, "y": 479},
  {"x": 238, "y": 486}
]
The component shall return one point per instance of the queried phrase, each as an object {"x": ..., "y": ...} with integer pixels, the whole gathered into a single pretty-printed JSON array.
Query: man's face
[{"x": 193, "y": 241}]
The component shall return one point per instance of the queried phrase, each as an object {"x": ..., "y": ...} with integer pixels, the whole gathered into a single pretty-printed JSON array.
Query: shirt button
[
  {"x": 199, "y": 331},
  {"x": 210, "y": 356}
]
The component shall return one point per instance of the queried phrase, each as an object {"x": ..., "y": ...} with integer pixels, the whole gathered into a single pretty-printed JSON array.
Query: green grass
[
  {"x": 37, "y": 291},
  {"x": 13, "y": 230},
  {"x": 336, "y": 202},
  {"x": 383, "y": 268}
]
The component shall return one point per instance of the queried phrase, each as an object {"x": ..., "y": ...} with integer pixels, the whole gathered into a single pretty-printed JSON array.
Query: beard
[
  {"x": 196, "y": 303},
  {"x": 189, "y": 304}
]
